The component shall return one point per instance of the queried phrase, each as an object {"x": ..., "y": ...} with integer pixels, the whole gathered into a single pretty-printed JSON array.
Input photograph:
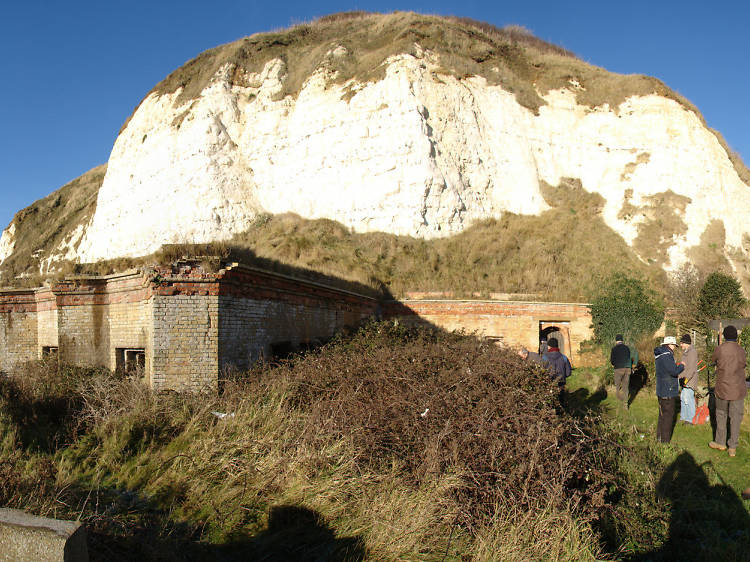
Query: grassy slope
[
  {"x": 561, "y": 255},
  {"x": 44, "y": 225}
]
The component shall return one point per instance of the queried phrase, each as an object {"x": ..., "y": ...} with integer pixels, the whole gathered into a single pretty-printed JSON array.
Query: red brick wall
[{"x": 513, "y": 323}]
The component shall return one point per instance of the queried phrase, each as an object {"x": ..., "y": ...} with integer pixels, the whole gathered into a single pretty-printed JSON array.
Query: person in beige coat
[
  {"x": 689, "y": 379},
  {"x": 730, "y": 391}
]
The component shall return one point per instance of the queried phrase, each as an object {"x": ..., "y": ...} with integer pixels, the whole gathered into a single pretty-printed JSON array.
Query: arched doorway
[{"x": 558, "y": 330}]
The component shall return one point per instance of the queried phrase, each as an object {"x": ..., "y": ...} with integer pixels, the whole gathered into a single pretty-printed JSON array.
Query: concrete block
[{"x": 28, "y": 538}]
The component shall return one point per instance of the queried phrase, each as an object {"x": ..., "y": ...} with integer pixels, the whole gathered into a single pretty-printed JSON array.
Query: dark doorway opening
[{"x": 557, "y": 330}]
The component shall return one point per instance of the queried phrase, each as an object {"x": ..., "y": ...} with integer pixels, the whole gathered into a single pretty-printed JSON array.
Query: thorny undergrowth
[{"x": 388, "y": 443}]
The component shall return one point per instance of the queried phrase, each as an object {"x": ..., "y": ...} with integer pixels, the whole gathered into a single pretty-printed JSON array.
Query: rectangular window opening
[{"x": 130, "y": 360}]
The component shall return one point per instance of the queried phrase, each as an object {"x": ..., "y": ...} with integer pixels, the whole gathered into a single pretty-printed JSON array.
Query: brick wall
[
  {"x": 193, "y": 323},
  {"x": 47, "y": 334},
  {"x": 512, "y": 323},
  {"x": 262, "y": 313},
  {"x": 185, "y": 339},
  {"x": 18, "y": 328}
]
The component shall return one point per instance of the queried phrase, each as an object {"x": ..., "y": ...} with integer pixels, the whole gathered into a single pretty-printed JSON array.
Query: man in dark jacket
[
  {"x": 558, "y": 366},
  {"x": 667, "y": 387},
  {"x": 527, "y": 355},
  {"x": 619, "y": 357},
  {"x": 729, "y": 392}
]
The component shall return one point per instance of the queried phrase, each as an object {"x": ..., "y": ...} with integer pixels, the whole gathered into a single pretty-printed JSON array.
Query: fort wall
[
  {"x": 180, "y": 326},
  {"x": 18, "y": 328},
  {"x": 517, "y": 324}
]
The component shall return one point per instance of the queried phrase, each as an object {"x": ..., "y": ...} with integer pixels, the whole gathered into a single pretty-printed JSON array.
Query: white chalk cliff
[{"x": 417, "y": 152}]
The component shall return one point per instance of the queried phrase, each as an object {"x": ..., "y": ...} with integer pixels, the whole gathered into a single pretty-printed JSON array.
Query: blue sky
[{"x": 72, "y": 72}]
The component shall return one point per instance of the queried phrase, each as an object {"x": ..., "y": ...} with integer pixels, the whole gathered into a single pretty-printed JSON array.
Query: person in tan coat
[
  {"x": 689, "y": 378},
  {"x": 730, "y": 391}
]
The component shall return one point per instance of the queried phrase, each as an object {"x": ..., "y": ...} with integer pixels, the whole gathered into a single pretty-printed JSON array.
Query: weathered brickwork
[
  {"x": 512, "y": 323},
  {"x": 18, "y": 329},
  {"x": 185, "y": 342},
  {"x": 47, "y": 320},
  {"x": 182, "y": 326}
]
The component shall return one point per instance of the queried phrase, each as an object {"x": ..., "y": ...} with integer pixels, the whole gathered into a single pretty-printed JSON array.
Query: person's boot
[
  {"x": 746, "y": 494},
  {"x": 715, "y": 445}
]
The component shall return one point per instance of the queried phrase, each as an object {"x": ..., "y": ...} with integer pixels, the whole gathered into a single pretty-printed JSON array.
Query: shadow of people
[
  {"x": 707, "y": 522},
  {"x": 297, "y": 533},
  {"x": 293, "y": 533},
  {"x": 638, "y": 380},
  {"x": 582, "y": 402}
]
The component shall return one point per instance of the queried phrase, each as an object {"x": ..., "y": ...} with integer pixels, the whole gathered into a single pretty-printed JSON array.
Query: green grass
[{"x": 697, "y": 488}]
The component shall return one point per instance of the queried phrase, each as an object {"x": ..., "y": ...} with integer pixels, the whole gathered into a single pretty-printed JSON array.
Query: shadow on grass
[
  {"x": 638, "y": 380},
  {"x": 293, "y": 533},
  {"x": 582, "y": 402},
  {"x": 707, "y": 522}
]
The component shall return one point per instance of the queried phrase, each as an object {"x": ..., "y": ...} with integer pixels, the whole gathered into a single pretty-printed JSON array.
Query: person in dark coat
[
  {"x": 525, "y": 354},
  {"x": 667, "y": 387},
  {"x": 558, "y": 366},
  {"x": 729, "y": 392},
  {"x": 619, "y": 357}
]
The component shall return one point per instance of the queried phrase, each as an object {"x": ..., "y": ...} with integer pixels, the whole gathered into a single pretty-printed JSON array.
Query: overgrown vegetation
[
  {"x": 721, "y": 297},
  {"x": 390, "y": 443}
]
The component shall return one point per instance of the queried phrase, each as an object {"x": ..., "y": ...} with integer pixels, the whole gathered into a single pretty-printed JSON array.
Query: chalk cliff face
[{"x": 417, "y": 151}]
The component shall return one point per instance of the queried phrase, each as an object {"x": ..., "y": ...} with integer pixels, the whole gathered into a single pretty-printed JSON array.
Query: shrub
[
  {"x": 625, "y": 305},
  {"x": 721, "y": 297}
]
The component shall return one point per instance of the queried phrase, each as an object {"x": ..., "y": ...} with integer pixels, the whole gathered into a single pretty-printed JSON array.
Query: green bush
[{"x": 625, "y": 305}]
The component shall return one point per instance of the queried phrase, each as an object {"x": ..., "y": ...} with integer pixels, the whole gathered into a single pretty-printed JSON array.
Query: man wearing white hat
[{"x": 667, "y": 387}]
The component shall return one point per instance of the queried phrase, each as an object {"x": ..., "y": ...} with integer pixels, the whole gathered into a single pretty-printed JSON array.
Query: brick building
[{"x": 181, "y": 325}]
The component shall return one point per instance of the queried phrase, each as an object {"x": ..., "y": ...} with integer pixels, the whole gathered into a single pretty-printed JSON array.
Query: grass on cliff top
[{"x": 510, "y": 56}]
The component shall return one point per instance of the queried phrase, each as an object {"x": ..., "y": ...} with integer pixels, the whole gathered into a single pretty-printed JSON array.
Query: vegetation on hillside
[
  {"x": 563, "y": 254},
  {"x": 626, "y": 306},
  {"x": 43, "y": 226}
]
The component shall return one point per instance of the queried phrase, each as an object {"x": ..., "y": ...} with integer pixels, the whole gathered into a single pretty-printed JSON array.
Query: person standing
[
  {"x": 667, "y": 387},
  {"x": 730, "y": 391},
  {"x": 559, "y": 367},
  {"x": 689, "y": 378},
  {"x": 619, "y": 357}
]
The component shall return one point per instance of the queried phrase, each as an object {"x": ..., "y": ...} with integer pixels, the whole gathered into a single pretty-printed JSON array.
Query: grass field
[{"x": 701, "y": 487}]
